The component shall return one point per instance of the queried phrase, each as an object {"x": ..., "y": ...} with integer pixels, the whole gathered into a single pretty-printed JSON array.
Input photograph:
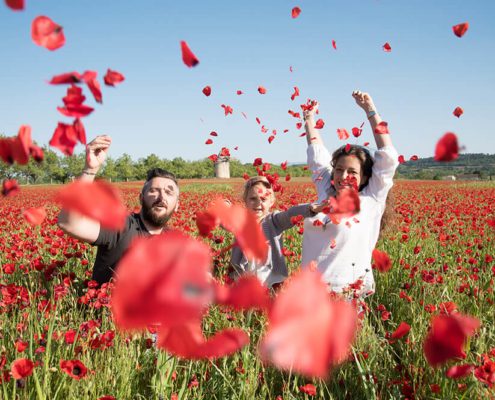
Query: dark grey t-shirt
[{"x": 112, "y": 246}]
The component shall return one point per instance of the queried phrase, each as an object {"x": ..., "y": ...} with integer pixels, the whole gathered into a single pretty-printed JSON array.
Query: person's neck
[{"x": 152, "y": 229}]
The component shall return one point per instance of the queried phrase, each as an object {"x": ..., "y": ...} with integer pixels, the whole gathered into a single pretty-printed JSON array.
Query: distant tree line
[
  {"x": 57, "y": 168},
  {"x": 482, "y": 165}
]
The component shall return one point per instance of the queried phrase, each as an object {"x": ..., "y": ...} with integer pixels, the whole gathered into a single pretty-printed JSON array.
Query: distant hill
[{"x": 473, "y": 164}]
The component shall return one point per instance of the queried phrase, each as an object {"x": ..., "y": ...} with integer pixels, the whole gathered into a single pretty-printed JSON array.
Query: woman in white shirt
[{"x": 342, "y": 251}]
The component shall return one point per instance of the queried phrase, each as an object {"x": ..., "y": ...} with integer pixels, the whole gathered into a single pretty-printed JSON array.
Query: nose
[{"x": 344, "y": 175}]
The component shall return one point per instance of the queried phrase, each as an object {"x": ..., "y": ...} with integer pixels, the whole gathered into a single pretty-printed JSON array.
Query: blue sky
[{"x": 160, "y": 107}]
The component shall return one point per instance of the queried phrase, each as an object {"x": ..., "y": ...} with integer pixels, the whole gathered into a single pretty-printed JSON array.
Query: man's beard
[{"x": 152, "y": 218}]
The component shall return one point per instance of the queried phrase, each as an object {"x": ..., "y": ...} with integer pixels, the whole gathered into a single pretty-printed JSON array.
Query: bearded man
[{"x": 159, "y": 199}]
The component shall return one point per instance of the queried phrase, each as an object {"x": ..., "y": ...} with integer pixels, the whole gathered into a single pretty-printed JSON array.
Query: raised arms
[
  {"x": 75, "y": 224},
  {"x": 365, "y": 101}
]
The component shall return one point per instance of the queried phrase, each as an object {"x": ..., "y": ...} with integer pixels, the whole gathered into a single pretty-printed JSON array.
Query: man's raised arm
[{"x": 70, "y": 222}]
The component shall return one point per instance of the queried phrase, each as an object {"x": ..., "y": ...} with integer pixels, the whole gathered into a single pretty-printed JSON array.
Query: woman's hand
[
  {"x": 364, "y": 101},
  {"x": 310, "y": 114}
]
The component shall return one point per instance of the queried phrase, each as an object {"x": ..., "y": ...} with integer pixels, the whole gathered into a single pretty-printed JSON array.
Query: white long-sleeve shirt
[{"x": 343, "y": 251}]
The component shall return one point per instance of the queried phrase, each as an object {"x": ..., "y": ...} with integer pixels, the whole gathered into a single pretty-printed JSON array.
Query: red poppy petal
[
  {"x": 459, "y": 371},
  {"x": 89, "y": 77},
  {"x": 66, "y": 78},
  {"x": 295, "y": 13},
  {"x": 209, "y": 141},
  {"x": 111, "y": 78},
  {"x": 319, "y": 124},
  {"x": 334, "y": 44},
  {"x": 187, "y": 55},
  {"x": 247, "y": 292},
  {"x": 10, "y": 187},
  {"x": 342, "y": 134},
  {"x": 46, "y": 33},
  {"x": 16, "y": 5},
  {"x": 35, "y": 216},
  {"x": 79, "y": 130},
  {"x": 187, "y": 341},
  {"x": 447, "y": 148},
  {"x": 447, "y": 337},
  {"x": 261, "y": 90},
  {"x": 155, "y": 283},
  {"x": 207, "y": 91},
  {"x": 401, "y": 331},
  {"x": 460, "y": 29},
  {"x": 387, "y": 48},
  {"x": 75, "y": 110},
  {"x": 382, "y": 128},
  {"x": 307, "y": 334},
  {"x": 458, "y": 112},
  {"x": 64, "y": 138},
  {"x": 97, "y": 200}
]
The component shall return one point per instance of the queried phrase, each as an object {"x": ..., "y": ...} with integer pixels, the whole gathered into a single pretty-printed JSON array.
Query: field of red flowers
[{"x": 58, "y": 340}]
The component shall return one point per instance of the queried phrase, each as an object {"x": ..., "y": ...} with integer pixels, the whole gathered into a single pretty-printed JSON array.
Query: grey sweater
[{"x": 274, "y": 269}]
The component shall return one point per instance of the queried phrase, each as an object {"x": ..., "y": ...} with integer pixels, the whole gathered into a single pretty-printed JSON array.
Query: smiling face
[
  {"x": 259, "y": 199},
  {"x": 159, "y": 200},
  {"x": 348, "y": 168}
]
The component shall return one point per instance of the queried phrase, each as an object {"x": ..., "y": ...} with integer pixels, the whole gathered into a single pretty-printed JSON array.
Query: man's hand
[
  {"x": 96, "y": 153},
  {"x": 364, "y": 101}
]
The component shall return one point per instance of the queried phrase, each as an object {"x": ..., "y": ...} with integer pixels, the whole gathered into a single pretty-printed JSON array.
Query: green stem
[{"x": 48, "y": 351}]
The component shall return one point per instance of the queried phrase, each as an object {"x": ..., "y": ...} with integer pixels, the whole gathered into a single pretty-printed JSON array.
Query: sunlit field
[{"x": 441, "y": 242}]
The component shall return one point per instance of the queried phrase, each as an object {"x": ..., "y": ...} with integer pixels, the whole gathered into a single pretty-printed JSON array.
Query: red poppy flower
[
  {"x": 97, "y": 200},
  {"x": 342, "y": 134},
  {"x": 460, "y": 29},
  {"x": 447, "y": 148},
  {"x": 387, "y": 48},
  {"x": 21, "y": 368},
  {"x": 319, "y": 124},
  {"x": 459, "y": 371},
  {"x": 155, "y": 283},
  {"x": 187, "y": 341},
  {"x": 107, "y": 398},
  {"x": 187, "y": 55},
  {"x": 224, "y": 152},
  {"x": 401, "y": 331},
  {"x": 401, "y": 159},
  {"x": 46, "y": 33},
  {"x": 74, "y": 368},
  {"x": 213, "y": 157},
  {"x": 247, "y": 292},
  {"x": 261, "y": 90},
  {"x": 10, "y": 187},
  {"x": 447, "y": 337},
  {"x": 308, "y": 389},
  {"x": 35, "y": 216},
  {"x": 66, "y": 78},
  {"x": 284, "y": 166},
  {"x": 382, "y": 128},
  {"x": 458, "y": 112},
  {"x": 334, "y": 44},
  {"x": 295, "y": 13},
  {"x": 382, "y": 260},
  {"x": 307, "y": 334},
  {"x": 112, "y": 77},
  {"x": 64, "y": 138},
  {"x": 486, "y": 373},
  {"x": 207, "y": 91},
  {"x": 16, "y": 5},
  {"x": 89, "y": 77}
]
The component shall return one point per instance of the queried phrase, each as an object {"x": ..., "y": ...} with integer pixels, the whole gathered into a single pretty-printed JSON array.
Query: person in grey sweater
[{"x": 258, "y": 197}]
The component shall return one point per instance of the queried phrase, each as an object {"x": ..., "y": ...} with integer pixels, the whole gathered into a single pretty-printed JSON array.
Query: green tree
[
  {"x": 125, "y": 167},
  {"x": 110, "y": 171}
]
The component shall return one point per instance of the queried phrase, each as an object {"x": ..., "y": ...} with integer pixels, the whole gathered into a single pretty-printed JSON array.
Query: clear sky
[{"x": 243, "y": 44}]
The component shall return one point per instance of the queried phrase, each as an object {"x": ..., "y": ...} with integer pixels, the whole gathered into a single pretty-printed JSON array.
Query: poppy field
[{"x": 426, "y": 333}]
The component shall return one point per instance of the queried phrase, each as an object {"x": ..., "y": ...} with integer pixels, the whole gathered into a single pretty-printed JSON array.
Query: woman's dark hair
[
  {"x": 362, "y": 154},
  {"x": 366, "y": 161}
]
